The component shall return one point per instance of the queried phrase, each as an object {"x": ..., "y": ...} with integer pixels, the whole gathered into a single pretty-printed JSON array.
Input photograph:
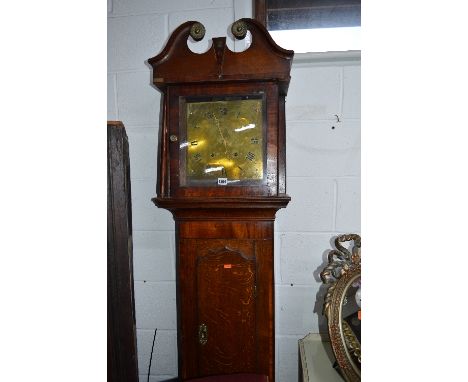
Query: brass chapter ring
[
  {"x": 197, "y": 31},
  {"x": 239, "y": 29}
]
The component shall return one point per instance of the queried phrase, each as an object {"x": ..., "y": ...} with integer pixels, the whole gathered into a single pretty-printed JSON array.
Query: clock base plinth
[{"x": 225, "y": 284}]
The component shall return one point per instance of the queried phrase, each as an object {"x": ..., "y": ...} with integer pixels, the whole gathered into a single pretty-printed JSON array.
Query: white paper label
[{"x": 222, "y": 181}]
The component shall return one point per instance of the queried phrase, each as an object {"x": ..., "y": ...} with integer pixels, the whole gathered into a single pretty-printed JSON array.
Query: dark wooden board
[{"x": 121, "y": 330}]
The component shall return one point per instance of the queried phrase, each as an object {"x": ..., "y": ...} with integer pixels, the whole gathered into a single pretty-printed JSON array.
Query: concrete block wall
[{"x": 323, "y": 175}]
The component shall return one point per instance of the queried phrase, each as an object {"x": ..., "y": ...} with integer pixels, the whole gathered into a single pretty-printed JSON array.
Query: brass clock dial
[{"x": 224, "y": 139}]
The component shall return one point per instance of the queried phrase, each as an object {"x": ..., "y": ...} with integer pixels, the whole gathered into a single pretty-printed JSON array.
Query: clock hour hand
[{"x": 221, "y": 134}]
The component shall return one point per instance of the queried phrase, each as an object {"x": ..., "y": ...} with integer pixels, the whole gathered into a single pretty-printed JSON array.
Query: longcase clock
[{"x": 221, "y": 172}]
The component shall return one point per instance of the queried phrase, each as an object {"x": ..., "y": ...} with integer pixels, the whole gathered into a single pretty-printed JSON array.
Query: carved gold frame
[{"x": 342, "y": 270}]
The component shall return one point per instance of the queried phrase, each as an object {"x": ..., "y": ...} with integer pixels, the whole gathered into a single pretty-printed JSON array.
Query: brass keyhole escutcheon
[{"x": 202, "y": 334}]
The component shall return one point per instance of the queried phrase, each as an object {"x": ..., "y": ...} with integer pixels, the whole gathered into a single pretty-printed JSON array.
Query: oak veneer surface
[{"x": 226, "y": 278}]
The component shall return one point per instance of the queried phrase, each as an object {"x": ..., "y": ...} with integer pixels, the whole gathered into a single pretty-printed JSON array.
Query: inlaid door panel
[{"x": 226, "y": 309}]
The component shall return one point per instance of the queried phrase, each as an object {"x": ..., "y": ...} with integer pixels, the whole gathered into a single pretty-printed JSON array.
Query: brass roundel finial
[
  {"x": 197, "y": 31},
  {"x": 239, "y": 29}
]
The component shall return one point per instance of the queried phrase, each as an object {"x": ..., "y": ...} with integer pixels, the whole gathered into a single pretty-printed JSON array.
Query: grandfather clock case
[{"x": 222, "y": 174}]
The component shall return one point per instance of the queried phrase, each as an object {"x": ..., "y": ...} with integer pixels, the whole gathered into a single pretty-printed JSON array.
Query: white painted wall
[{"x": 323, "y": 173}]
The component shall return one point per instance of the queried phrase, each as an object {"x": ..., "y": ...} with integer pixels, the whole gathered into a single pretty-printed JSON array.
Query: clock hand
[{"x": 221, "y": 134}]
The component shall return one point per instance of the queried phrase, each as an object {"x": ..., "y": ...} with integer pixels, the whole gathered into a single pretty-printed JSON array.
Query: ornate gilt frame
[{"x": 342, "y": 269}]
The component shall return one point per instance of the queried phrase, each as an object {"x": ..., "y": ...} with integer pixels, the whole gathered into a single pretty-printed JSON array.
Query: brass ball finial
[
  {"x": 197, "y": 31},
  {"x": 239, "y": 29}
]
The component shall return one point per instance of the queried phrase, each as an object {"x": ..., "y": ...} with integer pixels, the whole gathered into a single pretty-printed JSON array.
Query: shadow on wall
[
  {"x": 320, "y": 296},
  {"x": 320, "y": 300}
]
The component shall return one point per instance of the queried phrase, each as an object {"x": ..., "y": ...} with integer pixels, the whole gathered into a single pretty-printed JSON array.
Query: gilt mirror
[{"x": 343, "y": 305}]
